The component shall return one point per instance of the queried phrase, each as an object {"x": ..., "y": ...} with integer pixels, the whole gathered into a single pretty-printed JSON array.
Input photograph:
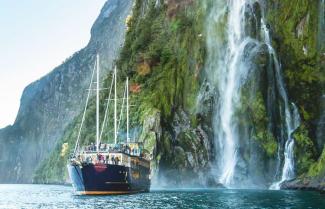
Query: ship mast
[
  {"x": 115, "y": 108},
  {"x": 85, "y": 109},
  {"x": 127, "y": 110},
  {"x": 97, "y": 105}
]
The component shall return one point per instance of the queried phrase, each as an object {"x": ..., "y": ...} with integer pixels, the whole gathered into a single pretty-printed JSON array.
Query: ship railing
[
  {"x": 136, "y": 153},
  {"x": 112, "y": 158},
  {"x": 134, "y": 149},
  {"x": 116, "y": 158}
]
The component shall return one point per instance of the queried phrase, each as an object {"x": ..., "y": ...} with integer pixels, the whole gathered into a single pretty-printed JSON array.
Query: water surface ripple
[{"x": 48, "y": 196}]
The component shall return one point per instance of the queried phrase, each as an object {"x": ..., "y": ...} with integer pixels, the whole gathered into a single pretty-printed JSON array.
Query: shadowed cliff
[{"x": 49, "y": 104}]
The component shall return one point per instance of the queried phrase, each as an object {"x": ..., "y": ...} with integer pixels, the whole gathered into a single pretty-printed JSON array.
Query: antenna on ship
[{"x": 97, "y": 105}]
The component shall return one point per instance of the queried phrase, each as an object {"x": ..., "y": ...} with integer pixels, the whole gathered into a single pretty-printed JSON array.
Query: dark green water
[{"x": 44, "y": 196}]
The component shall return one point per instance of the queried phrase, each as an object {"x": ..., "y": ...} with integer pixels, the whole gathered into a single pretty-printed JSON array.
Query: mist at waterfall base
[{"x": 47, "y": 196}]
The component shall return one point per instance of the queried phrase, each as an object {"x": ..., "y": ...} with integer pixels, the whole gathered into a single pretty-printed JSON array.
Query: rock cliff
[{"x": 49, "y": 104}]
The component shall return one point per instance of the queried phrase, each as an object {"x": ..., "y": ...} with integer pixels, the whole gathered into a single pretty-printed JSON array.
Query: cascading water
[
  {"x": 229, "y": 65},
  {"x": 229, "y": 87},
  {"x": 291, "y": 116},
  {"x": 292, "y": 123},
  {"x": 231, "y": 70}
]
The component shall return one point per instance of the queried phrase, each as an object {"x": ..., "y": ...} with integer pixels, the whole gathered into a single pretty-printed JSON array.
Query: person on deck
[
  {"x": 117, "y": 161},
  {"x": 106, "y": 159}
]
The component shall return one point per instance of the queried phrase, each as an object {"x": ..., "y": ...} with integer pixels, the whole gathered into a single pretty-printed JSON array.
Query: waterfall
[
  {"x": 229, "y": 67},
  {"x": 292, "y": 120},
  {"x": 229, "y": 87},
  {"x": 291, "y": 115},
  {"x": 229, "y": 71}
]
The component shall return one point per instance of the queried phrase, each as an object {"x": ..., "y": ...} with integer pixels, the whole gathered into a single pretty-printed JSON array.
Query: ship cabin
[{"x": 126, "y": 154}]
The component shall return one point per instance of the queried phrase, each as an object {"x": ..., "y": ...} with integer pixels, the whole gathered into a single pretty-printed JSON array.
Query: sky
[{"x": 35, "y": 37}]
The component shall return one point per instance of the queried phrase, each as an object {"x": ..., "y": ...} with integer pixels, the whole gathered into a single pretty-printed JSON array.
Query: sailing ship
[{"x": 122, "y": 167}]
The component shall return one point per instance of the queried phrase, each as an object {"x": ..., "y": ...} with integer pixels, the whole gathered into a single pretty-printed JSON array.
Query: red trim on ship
[{"x": 100, "y": 167}]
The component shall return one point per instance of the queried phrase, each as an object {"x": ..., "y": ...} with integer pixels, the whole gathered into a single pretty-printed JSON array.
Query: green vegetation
[
  {"x": 318, "y": 168},
  {"x": 253, "y": 113},
  {"x": 260, "y": 122},
  {"x": 164, "y": 54},
  {"x": 171, "y": 53},
  {"x": 304, "y": 150}
]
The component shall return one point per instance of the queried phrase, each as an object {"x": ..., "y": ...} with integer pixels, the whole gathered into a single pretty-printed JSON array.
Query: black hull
[{"x": 103, "y": 179}]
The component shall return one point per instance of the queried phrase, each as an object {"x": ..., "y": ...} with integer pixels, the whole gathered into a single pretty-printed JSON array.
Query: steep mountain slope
[
  {"x": 51, "y": 103},
  {"x": 161, "y": 55}
]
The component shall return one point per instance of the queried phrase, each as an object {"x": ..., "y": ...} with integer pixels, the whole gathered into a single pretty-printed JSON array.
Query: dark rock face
[
  {"x": 185, "y": 161},
  {"x": 51, "y": 103},
  {"x": 320, "y": 132},
  {"x": 317, "y": 184}
]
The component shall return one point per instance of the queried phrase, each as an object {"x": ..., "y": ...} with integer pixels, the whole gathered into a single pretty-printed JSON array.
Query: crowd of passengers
[
  {"x": 123, "y": 148},
  {"x": 104, "y": 159}
]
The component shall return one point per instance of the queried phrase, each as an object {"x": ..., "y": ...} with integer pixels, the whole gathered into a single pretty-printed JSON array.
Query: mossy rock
[
  {"x": 150, "y": 142},
  {"x": 304, "y": 150},
  {"x": 317, "y": 169}
]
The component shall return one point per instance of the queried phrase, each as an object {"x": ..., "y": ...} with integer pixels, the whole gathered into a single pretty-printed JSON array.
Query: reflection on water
[{"x": 45, "y": 196}]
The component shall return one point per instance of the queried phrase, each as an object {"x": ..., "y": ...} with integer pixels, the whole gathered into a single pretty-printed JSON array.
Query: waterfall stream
[
  {"x": 291, "y": 114},
  {"x": 229, "y": 65},
  {"x": 231, "y": 73},
  {"x": 229, "y": 87}
]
